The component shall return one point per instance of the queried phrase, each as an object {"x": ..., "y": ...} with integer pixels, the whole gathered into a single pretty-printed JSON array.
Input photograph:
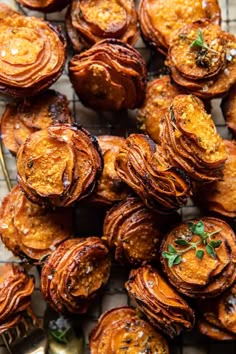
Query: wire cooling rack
[{"x": 121, "y": 123}]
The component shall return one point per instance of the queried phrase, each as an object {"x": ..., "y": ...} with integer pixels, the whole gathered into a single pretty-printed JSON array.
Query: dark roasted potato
[
  {"x": 74, "y": 274},
  {"x": 44, "y": 6},
  {"x": 228, "y": 107}
]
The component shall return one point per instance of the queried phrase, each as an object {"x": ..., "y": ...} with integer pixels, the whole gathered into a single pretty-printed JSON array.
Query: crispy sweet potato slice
[
  {"x": 160, "y": 21},
  {"x": 228, "y": 107},
  {"x": 121, "y": 329},
  {"x": 45, "y": 5},
  {"x": 8, "y": 127},
  {"x": 74, "y": 273},
  {"x": 214, "y": 332},
  {"x": 161, "y": 304},
  {"x": 202, "y": 276}
]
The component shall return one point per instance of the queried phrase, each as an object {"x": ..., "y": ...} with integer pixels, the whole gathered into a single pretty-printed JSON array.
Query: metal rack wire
[{"x": 122, "y": 124}]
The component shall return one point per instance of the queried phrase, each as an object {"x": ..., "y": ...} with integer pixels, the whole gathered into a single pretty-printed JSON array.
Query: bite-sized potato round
[
  {"x": 220, "y": 196},
  {"x": 110, "y": 188},
  {"x": 199, "y": 257},
  {"x": 45, "y": 5},
  {"x": 160, "y": 303},
  {"x": 89, "y": 22},
  {"x": 59, "y": 165},
  {"x": 74, "y": 274},
  {"x": 133, "y": 231},
  {"x": 120, "y": 329},
  {"x": 143, "y": 165},
  {"x": 16, "y": 288},
  {"x": 190, "y": 139},
  {"x": 22, "y": 118},
  {"x": 111, "y": 75},
  {"x": 159, "y": 95},
  {"x": 228, "y": 106},
  {"x": 161, "y": 20},
  {"x": 218, "y": 318},
  {"x": 32, "y": 55},
  {"x": 29, "y": 230}
]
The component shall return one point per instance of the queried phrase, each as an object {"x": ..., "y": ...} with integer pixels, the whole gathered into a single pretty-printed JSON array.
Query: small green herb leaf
[
  {"x": 215, "y": 244},
  {"x": 166, "y": 254},
  {"x": 210, "y": 250},
  {"x": 174, "y": 259},
  {"x": 181, "y": 242},
  {"x": 199, "y": 41},
  {"x": 200, "y": 254},
  {"x": 177, "y": 260},
  {"x": 171, "y": 249},
  {"x": 197, "y": 229}
]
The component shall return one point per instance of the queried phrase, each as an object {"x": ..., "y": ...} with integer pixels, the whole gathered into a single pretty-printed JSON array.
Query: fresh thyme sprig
[
  {"x": 174, "y": 255},
  {"x": 199, "y": 42}
]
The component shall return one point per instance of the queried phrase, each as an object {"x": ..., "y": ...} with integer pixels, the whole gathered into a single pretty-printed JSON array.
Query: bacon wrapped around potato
[
  {"x": 20, "y": 119},
  {"x": 59, "y": 165},
  {"x": 220, "y": 196},
  {"x": 190, "y": 139},
  {"x": 199, "y": 257},
  {"x": 228, "y": 107},
  {"x": 110, "y": 188},
  {"x": 111, "y": 75},
  {"x": 161, "y": 304},
  {"x": 218, "y": 317},
  {"x": 45, "y": 5},
  {"x": 121, "y": 330},
  {"x": 74, "y": 274},
  {"x": 143, "y": 165},
  {"x": 32, "y": 55},
  {"x": 29, "y": 230},
  {"x": 202, "y": 59},
  {"x": 161, "y": 20},
  {"x": 89, "y": 21},
  {"x": 16, "y": 288}
]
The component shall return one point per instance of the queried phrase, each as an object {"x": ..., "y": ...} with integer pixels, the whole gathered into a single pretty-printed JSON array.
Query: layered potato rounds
[
  {"x": 59, "y": 165},
  {"x": 16, "y": 288},
  {"x": 20, "y": 119},
  {"x": 199, "y": 257},
  {"x": 29, "y": 230},
  {"x": 74, "y": 274},
  {"x": 45, "y": 5},
  {"x": 160, "y": 303},
  {"x": 218, "y": 318},
  {"x": 143, "y": 165},
  {"x": 190, "y": 139},
  {"x": 202, "y": 59},
  {"x": 32, "y": 55},
  {"x": 89, "y": 21},
  {"x": 228, "y": 106},
  {"x": 111, "y": 75},
  {"x": 120, "y": 329},
  {"x": 220, "y": 196},
  {"x": 161, "y": 20}
]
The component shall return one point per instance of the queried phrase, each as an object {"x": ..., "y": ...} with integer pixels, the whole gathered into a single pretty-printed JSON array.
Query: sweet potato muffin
[
  {"x": 202, "y": 59},
  {"x": 31, "y": 231},
  {"x": 160, "y": 303},
  {"x": 111, "y": 75},
  {"x": 32, "y": 55},
  {"x": 59, "y": 165},
  {"x": 20, "y": 119},
  {"x": 143, "y": 165},
  {"x": 110, "y": 188},
  {"x": 74, "y": 274},
  {"x": 121, "y": 330},
  {"x": 199, "y": 257},
  {"x": 16, "y": 288},
  {"x": 89, "y": 21},
  {"x": 45, "y": 5},
  {"x": 228, "y": 107},
  {"x": 190, "y": 139},
  {"x": 161, "y": 20},
  {"x": 133, "y": 231},
  {"x": 218, "y": 317},
  {"x": 220, "y": 196}
]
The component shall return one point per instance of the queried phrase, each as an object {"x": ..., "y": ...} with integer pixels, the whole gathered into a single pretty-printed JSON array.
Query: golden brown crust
[
  {"x": 28, "y": 72},
  {"x": 228, "y": 107},
  {"x": 122, "y": 328},
  {"x": 29, "y": 230},
  {"x": 133, "y": 231},
  {"x": 59, "y": 165},
  {"x": 109, "y": 76},
  {"x": 6, "y": 10},
  {"x": 74, "y": 273},
  {"x": 45, "y": 5},
  {"x": 206, "y": 276},
  {"x": 160, "y": 21},
  {"x": 20, "y": 119},
  {"x": 143, "y": 165},
  {"x": 160, "y": 303}
]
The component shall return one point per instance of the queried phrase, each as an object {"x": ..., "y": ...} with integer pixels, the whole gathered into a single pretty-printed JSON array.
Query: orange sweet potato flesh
[
  {"x": 45, "y": 5},
  {"x": 121, "y": 329},
  {"x": 228, "y": 106},
  {"x": 6, "y": 10}
]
